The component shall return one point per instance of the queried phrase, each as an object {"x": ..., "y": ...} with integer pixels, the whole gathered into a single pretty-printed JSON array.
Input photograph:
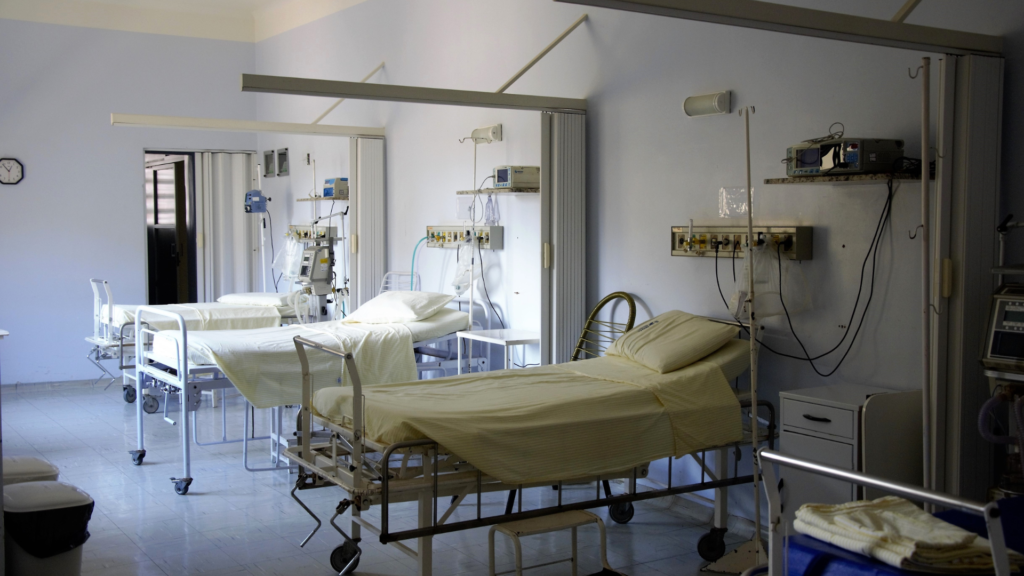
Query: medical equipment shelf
[
  {"x": 499, "y": 191},
  {"x": 844, "y": 179},
  {"x": 340, "y": 197}
]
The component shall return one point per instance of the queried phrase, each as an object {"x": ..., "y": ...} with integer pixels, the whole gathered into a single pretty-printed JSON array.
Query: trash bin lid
[
  {"x": 27, "y": 469},
  {"x": 39, "y": 496}
]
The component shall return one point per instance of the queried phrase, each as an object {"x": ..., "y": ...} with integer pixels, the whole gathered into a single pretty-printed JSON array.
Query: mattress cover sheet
[
  {"x": 556, "y": 422},
  {"x": 445, "y": 321},
  {"x": 203, "y": 316},
  {"x": 264, "y": 365}
]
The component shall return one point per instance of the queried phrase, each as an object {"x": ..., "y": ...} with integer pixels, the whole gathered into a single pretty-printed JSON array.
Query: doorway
[{"x": 170, "y": 227}]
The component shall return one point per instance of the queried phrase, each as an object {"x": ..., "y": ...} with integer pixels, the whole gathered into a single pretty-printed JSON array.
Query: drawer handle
[{"x": 817, "y": 419}]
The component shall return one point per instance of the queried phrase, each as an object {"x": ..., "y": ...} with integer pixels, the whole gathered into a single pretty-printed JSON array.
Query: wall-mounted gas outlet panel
[
  {"x": 732, "y": 241},
  {"x": 489, "y": 237}
]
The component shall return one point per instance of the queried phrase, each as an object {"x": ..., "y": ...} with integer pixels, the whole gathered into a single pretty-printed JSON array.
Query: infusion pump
[
  {"x": 316, "y": 270},
  {"x": 1004, "y": 343}
]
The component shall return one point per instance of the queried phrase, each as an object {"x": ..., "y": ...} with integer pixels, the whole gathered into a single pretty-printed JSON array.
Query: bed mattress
[
  {"x": 558, "y": 422},
  {"x": 204, "y": 316},
  {"x": 264, "y": 367},
  {"x": 446, "y": 321}
]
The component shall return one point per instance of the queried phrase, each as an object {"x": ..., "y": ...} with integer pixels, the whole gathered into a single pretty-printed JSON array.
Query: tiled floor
[{"x": 236, "y": 522}]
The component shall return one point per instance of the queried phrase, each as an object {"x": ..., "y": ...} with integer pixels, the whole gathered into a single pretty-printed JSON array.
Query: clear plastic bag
[
  {"x": 288, "y": 258},
  {"x": 768, "y": 293},
  {"x": 732, "y": 202},
  {"x": 462, "y": 279}
]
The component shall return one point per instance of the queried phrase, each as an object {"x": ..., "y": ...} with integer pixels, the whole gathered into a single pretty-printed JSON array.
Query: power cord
[
  {"x": 871, "y": 293},
  {"x": 483, "y": 280},
  {"x": 872, "y": 254}
]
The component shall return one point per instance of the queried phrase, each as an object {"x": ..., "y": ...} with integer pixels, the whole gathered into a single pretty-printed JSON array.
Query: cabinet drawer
[
  {"x": 804, "y": 487},
  {"x": 815, "y": 417}
]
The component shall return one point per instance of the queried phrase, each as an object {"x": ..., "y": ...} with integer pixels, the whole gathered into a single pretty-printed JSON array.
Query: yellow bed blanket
[{"x": 556, "y": 422}]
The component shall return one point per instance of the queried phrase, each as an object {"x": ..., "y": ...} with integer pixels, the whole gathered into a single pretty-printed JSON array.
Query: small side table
[{"x": 505, "y": 338}]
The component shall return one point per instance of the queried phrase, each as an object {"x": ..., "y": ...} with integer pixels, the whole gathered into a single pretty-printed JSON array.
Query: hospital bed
[
  {"x": 805, "y": 555},
  {"x": 113, "y": 324},
  {"x": 261, "y": 364},
  {"x": 580, "y": 423}
]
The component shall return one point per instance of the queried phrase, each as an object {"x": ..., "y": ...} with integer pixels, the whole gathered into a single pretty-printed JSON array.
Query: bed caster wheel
[
  {"x": 343, "y": 555},
  {"x": 621, "y": 513},
  {"x": 138, "y": 456},
  {"x": 711, "y": 546},
  {"x": 181, "y": 485},
  {"x": 128, "y": 394},
  {"x": 150, "y": 405}
]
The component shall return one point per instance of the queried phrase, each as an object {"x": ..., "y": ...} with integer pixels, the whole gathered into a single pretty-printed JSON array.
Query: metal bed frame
[
  {"x": 776, "y": 544},
  {"x": 108, "y": 341},
  {"x": 190, "y": 382},
  {"x": 426, "y": 472}
]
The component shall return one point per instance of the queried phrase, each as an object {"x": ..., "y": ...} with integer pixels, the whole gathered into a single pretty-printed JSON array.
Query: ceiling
[
  {"x": 237, "y": 20},
  {"x": 235, "y": 8},
  {"x": 256, "y": 20}
]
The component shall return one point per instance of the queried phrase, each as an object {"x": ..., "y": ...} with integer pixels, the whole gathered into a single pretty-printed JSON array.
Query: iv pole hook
[{"x": 913, "y": 74}]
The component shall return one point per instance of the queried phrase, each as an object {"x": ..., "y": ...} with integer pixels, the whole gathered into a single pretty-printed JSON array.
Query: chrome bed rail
[{"x": 776, "y": 551}]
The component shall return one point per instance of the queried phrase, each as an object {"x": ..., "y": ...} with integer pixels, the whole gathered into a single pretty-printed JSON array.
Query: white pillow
[
  {"x": 256, "y": 299},
  {"x": 400, "y": 306},
  {"x": 671, "y": 341}
]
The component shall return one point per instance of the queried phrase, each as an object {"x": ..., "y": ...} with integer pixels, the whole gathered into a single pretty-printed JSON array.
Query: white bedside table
[{"x": 505, "y": 338}]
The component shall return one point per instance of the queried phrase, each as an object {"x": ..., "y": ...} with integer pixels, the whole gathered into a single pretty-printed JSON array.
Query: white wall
[
  {"x": 648, "y": 166},
  {"x": 79, "y": 213}
]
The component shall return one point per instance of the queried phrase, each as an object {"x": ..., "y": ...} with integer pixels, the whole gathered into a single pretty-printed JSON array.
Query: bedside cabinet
[{"x": 853, "y": 427}]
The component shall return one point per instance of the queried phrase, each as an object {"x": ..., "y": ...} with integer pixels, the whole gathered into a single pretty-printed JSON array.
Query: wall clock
[{"x": 11, "y": 171}]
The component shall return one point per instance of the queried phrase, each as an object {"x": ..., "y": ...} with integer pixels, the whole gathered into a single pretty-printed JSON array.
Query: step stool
[{"x": 572, "y": 519}]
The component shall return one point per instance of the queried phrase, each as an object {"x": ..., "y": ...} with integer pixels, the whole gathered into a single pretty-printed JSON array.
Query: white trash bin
[
  {"x": 18, "y": 469},
  {"x": 45, "y": 525}
]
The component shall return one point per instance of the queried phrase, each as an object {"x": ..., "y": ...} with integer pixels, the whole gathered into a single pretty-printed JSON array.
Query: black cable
[
  {"x": 733, "y": 264},
  {"x": 871, "y": 254},
  {"x": 483, "y": 280},
  {"x": 871, "y": 294}
]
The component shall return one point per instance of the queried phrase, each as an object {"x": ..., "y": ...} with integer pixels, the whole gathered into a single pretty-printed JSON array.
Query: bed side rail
[
  {"x": 97, "y": 307},
  {"x": 306, "y": 412},
  {"x": 990, "y": 511},
  {"x": 143, "y": 330}
]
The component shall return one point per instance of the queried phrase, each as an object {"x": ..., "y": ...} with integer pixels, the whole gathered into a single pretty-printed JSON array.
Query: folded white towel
[{"x": 897, "y": 532}]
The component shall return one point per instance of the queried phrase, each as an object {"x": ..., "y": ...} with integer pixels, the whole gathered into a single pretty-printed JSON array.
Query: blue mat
[{"x": 811, "y": 557}]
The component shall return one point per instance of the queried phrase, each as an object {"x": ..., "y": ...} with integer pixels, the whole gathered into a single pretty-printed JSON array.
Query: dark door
[{"x": 170, "y": 243}]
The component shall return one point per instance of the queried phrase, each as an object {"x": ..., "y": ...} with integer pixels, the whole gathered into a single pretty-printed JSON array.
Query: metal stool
[{"x": 572, "y": 519}]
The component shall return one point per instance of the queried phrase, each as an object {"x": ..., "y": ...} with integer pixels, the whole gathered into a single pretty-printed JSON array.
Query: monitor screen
[
  {"x": 1013, "y": 316},
  {"x": 502, "y": 176},
  {"x": 1008, "y": 345},
  {"x": 808, "y": 158}
]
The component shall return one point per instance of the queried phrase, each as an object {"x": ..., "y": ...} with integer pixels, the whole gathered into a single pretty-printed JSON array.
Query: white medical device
[
  {"x": 843, "y": 156},
  {"x": 1004, "y": 344},
  {"x": 517, "y": 177},
  {"x": 336, "y": 188},
  {"x": 316, "y": 269}
]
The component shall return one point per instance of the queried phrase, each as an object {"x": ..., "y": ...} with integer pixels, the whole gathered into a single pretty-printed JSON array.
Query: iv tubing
[{"x": 412, "y": 273}]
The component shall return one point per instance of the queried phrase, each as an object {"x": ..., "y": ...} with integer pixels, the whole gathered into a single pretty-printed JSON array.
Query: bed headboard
[
  {"x": 597, "y": 334},
  {"x": 396, "y": 281}
]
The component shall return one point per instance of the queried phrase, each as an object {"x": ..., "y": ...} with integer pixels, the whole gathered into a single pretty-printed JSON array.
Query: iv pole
[{"x": 746, "y": 112}]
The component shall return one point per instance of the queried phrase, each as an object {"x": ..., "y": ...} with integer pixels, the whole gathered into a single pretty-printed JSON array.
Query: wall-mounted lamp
[{"x": 708, "y": 104}]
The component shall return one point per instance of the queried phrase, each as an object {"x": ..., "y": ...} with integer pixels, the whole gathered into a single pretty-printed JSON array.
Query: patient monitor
[{"x": 316, "y": 270}]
